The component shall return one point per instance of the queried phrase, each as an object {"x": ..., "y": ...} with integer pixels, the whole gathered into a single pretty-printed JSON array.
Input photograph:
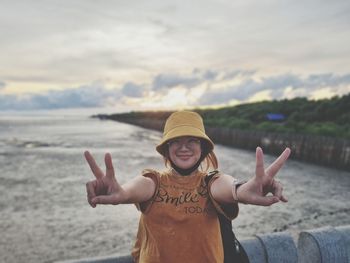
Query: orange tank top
[{"x": 179, "y": 223}]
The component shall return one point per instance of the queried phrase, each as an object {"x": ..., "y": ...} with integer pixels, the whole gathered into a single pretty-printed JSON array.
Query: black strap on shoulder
[
  {"x": 209, "y": 176},
  {"x": 233, "y": 250}
]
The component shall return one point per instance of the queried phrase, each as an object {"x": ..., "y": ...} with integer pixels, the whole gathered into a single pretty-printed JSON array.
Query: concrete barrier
[
  {"x": 345, "y": 232},
  {"x": 322, "y": 245},
  {"x": 255, "y": 250},
  {"x": 279, "y": 247},
  {"x": 271, "y": 248}
]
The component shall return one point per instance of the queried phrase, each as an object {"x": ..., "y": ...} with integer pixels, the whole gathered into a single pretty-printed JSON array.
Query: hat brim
[{"x": 183, "y": 130}]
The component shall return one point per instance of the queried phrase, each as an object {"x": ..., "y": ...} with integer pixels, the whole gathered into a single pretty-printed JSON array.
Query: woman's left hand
[{"x": 256, "y": 189}]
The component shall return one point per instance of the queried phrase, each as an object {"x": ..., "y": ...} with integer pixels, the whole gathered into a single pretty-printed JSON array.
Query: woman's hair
[{"x": 209, "y": 160}]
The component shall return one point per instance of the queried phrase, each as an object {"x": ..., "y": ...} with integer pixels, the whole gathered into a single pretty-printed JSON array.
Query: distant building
[{"x": 275, "y": 117}]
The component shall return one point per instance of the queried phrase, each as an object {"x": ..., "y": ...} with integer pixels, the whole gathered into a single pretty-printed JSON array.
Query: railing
[{"x": 323, "y": 245}]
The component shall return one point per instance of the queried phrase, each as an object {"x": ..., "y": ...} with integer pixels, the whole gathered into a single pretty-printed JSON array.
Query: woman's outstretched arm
[
  {"x": 255, "y": 191},
  {"x": 105, "y": 189}
]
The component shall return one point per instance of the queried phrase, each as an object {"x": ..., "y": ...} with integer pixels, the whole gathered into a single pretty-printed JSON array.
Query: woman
[{"x": 179, "y": 220}]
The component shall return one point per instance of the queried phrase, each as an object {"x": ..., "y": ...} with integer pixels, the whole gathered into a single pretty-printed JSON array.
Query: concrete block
[
  {"x": 255, "y": 250},
  {"x": 323, "y": 245},
  {"x": 345, "y": 232},
  {"x": 279, "y": 247}
]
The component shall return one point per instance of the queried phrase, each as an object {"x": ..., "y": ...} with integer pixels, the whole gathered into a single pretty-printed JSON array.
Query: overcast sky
[{"x": 136, "y": 55}]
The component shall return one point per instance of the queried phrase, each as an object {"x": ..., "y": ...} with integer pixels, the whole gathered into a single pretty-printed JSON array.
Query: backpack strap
[
  {"x": 233, "y": 250},
  {"x": 209, "y": 176}
]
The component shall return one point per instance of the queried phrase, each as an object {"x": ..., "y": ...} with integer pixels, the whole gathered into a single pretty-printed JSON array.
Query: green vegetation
[{"x": 328, "y": 117}]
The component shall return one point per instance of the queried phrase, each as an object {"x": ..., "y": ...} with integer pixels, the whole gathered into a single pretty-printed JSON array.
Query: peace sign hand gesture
[
  {"x": 256, "y": 189},
  {"x": 104, "y": 189}
]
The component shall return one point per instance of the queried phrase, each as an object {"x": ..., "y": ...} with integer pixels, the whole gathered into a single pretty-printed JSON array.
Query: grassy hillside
[{"x": 328, "y": 117}]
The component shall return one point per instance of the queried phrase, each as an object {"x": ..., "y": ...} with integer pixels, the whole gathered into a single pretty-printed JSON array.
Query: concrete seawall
[
  {"x": 320, "y": 150},
  {"x": 322, "y": 245}
]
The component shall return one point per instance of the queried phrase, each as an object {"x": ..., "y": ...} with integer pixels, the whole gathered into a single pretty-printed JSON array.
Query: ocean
[{"x": 44, "y": 215}]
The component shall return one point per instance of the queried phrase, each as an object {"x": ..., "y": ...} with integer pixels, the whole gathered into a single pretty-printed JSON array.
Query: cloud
[
  {"x": 2, "y": 85},
  {"x": 131, "y": 89},
  {"x": 277, "y": 85},
  {"x": 325, "y": 80},
  {"x": 90, "y": 41},
  {"x": 210, "y": 75},
  {"x": 93, "y": 95},
  {"x": 238, "y": 72},
  {"x": 198, "y": 76},
  {"x": 165, "y": 81},
  {"x": 200, "y": 88}
]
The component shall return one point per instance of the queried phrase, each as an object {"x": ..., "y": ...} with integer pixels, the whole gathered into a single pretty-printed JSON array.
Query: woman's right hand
[{"x": 104, "y": 189}]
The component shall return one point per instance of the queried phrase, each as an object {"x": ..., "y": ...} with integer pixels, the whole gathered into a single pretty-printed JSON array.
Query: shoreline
[{"x": 320, "y": 150}]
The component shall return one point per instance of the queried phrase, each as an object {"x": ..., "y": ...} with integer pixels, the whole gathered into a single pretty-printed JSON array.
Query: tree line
[{"x": 326, "y": 117}]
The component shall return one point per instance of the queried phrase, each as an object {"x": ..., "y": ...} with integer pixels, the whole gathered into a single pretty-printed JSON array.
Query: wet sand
[{"x": 44, "y": 216}]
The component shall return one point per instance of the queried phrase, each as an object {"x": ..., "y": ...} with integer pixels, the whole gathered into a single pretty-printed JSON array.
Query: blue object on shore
[{"x": 275, "y": 117}]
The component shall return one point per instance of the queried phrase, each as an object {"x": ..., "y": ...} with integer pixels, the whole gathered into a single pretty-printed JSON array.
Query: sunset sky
[{"x": 137, "y": 55}]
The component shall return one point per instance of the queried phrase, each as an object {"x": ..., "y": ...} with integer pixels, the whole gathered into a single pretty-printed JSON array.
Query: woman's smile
[
  {"x": 184, "y": 157},
  {"x": 185, "y": 151}
]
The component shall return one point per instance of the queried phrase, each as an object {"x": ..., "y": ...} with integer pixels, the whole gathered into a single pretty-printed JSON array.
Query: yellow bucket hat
[{"x": 183, "y": 123}]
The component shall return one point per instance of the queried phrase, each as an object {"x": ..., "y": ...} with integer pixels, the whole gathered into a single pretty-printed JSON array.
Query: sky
[{"x": 151, "y": 55}]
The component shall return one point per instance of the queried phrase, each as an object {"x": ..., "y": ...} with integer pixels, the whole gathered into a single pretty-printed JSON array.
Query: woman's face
[{"x": 185, "y": 151}]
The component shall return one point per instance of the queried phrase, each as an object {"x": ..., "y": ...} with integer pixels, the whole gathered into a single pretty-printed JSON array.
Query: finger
[
  {"x": 104, "y": 200},
  {"x": 259, "y": 169},
  {"x": 90, "y": 190},
  {"x": 264, "y": 200},
  {"x": 109, "y": 165},
  {"x": 93, "y": 166},
  {"x": 277, "y": 189},
  {"x": 284, "y": 199},
  {"x": 278, "y": 163}
]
